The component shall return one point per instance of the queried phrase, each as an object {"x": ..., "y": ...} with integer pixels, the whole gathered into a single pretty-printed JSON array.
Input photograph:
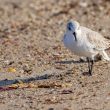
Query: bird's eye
[{"x": 69, "y": 28}]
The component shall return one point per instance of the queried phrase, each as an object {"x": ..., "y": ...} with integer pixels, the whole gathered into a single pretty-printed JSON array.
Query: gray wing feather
[{"x": 96, "y": 39}]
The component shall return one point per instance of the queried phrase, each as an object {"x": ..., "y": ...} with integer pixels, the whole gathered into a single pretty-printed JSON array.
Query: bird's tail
[{"x": 105, "y": 56}]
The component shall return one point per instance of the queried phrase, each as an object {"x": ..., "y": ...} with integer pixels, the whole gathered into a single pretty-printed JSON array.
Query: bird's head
[{"x": 72, "y": 26}]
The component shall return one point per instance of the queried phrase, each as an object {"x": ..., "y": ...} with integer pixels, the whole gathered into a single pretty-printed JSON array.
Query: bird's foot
[{"x": 87, "y": 73}]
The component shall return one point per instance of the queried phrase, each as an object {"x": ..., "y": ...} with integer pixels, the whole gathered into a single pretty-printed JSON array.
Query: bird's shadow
[
  {"x": 75, "y": 61},
  {"x": 7, "y": 82},
  {"x": 70, "y": 62}
]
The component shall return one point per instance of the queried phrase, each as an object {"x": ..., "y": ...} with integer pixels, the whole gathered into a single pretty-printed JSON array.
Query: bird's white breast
[{"x": 79, "y": 47}]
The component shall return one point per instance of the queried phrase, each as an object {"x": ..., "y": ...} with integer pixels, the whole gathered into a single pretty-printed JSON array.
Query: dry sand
[{"x": 31, "y": 45}]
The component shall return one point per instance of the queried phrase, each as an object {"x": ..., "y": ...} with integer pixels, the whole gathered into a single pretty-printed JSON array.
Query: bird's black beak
[{"x": 74, "y": 33}]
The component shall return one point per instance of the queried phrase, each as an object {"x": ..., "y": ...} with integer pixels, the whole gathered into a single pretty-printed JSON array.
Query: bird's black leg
[{"x": 90, "y": 64}]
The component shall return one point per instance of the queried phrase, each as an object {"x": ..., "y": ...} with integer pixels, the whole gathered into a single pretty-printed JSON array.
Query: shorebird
[{"x": 85, "y": 42}]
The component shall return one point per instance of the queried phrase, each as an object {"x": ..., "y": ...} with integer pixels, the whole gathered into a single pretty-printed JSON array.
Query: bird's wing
[{"x": 96, "y": 39}]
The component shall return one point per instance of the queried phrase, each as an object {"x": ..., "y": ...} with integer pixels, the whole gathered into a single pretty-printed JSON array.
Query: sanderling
[{"x": 85, "y": 42}]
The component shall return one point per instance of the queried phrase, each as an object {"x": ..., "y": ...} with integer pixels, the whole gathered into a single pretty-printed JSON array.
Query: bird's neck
[{"x": 78, "y": 32}]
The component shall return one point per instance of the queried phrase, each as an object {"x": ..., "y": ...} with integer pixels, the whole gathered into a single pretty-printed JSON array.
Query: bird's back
[{"x": 96, "y": 39}]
